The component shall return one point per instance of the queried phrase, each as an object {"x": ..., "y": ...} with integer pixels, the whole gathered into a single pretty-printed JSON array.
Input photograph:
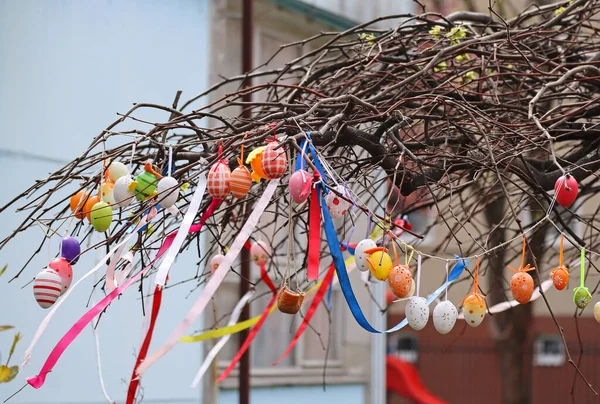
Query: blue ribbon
[{"x": 316, "y": 161}]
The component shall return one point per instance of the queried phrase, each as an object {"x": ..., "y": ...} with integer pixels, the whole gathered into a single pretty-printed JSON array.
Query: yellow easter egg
[{"x": 380, "y": 265}]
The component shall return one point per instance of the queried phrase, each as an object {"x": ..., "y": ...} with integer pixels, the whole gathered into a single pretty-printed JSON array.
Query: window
[
  {"x": 549, "y": 351},
  {"x": 404, "y": 346}
]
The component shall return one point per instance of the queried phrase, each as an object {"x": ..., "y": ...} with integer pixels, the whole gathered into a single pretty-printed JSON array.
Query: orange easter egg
[
  {"x": 400, "y": 281},
  {"x": 560, "y": 277},
  {"x": 89, "y": 204},
  {"x": 521, "y": 286},
  {"x": 240, "y": 182},
  {"x": 77, "y": 204}
]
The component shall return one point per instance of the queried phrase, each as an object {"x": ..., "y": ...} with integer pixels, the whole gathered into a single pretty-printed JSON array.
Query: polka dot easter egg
[
  {"x": 360, "y": 257},
  {"x": 336, "y": 205},
  {"x": 444, "y": 317},
  {"x": 521, "y": 286},
  {"x": 380, "y": 262},
  {"x": 474, "y": 309},
  {"x": 274, "y": 161},
  {"x": 218, "y": 180},
  {"x": 123, "y": 192},
  {"x": 417, "y": 313},
  {"x": 215, "y": 262},
  {"x": 260, "y": 252},
  {"x": 64, "y": 270},
  {"x": 47, "y": 288},
  {"x": 400, "y": 281}
]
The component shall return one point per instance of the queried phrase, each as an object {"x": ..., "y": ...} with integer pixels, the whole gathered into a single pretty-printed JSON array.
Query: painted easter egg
[
  {"x": 70, "y": 249},
  {"x": 168, "y": 192},
  {"x": 581, "y": 297},
  {"x": 337, "y": 206},
  {"x": 274, "y": 161},
  {"x": 87, "y": 209},
  {"x": 77, "y": 204},
  {"x": 116, "y": 170},
  {"x": 360, "y": 257},
  {"x": 107, "y": 193},
  {"x": 474, "y": 309},
  {"x": 597, "y": 312},
  {"x": 417, "y": 312},
  {"x": 560, "y": 278},
  {"x": 218, "y": 180},
  {"x": 255, "y": 161},
  {"x": 260, "y": 252},
  {"x": 381, "y": 263},
  {"x": 146, "y": 186},
  {"x": 300, "y": 184},
  {"x": 62, "y": 267},
  {"x": 444, "y": 317},
  {"x": 101, "y": 216},
  {"x": 240, "y": 182},
  {"x": 122, "y": 191},
  {"x": 566, "y": 189},
  {"x": 400, "y": 280},
  {"x": 47, "y": 288},
  {"x": 215, "y": 262},
  {"x": 521, "y": 286}
]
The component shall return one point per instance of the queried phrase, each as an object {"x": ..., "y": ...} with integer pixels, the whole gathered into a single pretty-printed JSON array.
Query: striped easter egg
[
  {"x": 240, "y": 182},
  {"x": 47, "y": 287},
  {"x": 274, "y": 162},
  {"x": 218, "y": 180}
]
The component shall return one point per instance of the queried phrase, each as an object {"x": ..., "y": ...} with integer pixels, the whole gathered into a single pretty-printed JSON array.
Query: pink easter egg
[
  {"x": 218, "y": 180},
  {"x": 300, "y": 185},
  {"x": 62, "y": 267},
  {"x": 47, "y": 287},
  {"x": 274, "y": 162},
  {"x": 260, "y": 252},
  {"x": 215, "y": 262}
]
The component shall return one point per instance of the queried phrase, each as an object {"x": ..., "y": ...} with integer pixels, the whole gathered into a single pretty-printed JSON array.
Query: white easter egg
[
  {"x": 337, "y": 206},
  {"x": 47, "y": 287},
  {"x": 597, "y": 312},
  {"x": 116, "y": 170},
  {"x": 360, "y": 257},
  {"x": 417, "y": 312},
  {"x": 123, "y": 197},
  {"x": 444, "y": 317},
  {"x": 168, "y": 192}
]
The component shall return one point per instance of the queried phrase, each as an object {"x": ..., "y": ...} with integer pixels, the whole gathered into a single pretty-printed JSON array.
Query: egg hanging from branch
[
  {"x": 380, "y": 262},
  {"x": 417, "y": 312},
  {"x": 62, "y": 267},
  {"x": 581, "y": 297},
  {"x": 47, "y": 288},
  {"x": 337, "y": 205},
  {"x": 400, "y": 281},
  {"x": 444, "y": 317},
  {"x": 360, "y": 257},
  {"x": 240, "y": 181},
  {"x": 274, "y": 161},
  {"x": 89, "y": 205},
  {"x": 521, "y": 286},
  {"x": 474, "y": 309},
  {"x": 168, "y": 192},
  {"x": 123, "y": 191},
  {"x": 260, "y": 252},
  {"x": 219, "y": 177},
  {"x": 215, "y": 262},
  {"x": 300, "y": 185},
  {"x": 107, "y": 193},
  {"x": 77, "y": 204},
  {"x": 116, "y": 170},
  {"x": 566, "y": 189},
  {"x": 101, "y": 216},
  {"x": 255, "y": 160},
  {"x": 70, "y": 249},
  {"x": 145, "y": 183}
]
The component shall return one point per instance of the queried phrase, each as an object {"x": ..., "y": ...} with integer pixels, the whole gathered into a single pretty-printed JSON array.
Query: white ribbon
[
  {"x": 167, "y": 262},
  {"x": 215, "y": 280},
  {"x": 235, "y": 315}
]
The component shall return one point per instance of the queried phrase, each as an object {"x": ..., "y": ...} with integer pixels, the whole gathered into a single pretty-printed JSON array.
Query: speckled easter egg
[
  {"x": 521, "y": 286},
  {"x": 597, "y": 312},
  {"x": 560, "y": 278},
  {"x": 107, "y": 193},
  {"x": 62, "y": 267},
  {"x": 47, "y": 288},
  {"x": 336, "y": 205},
  {"x": 417, "y": 312},
  {"x": 70, "y": 249},
  {"x": 400, "y": 280},
  {"x": 215, "y": 262},
  {"x": 582, "y": 297},
  {"x": 260, "y": 252},
  {"x": 274, "y": 161},
  {"x": 146, "y": 185},
  {"x": 474, "y": 309},
  {"x": 218, "y": 180},
  {"x": 300, "y": 184},
  {"x": 168, "y": 192},
  {"x": 240, "y": 182},
  {"x": 116, "y": 170},
  {"x": 360, "y": 257},
  {"x": 123, "y": 196},
  {"x": 77, "y": 204},
  {"x": 444, "y": 317},
  {"x": 381, "y": 265},
  {"x": 101, "y": 216}
]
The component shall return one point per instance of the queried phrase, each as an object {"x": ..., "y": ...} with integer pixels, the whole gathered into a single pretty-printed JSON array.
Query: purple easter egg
[{"x": 70, "y": 249}]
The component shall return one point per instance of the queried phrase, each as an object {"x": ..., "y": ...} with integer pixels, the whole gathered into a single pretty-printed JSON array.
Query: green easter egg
[
  {"x": 146, "y": 185},
  {"x": 582, "y": 297},
  {"x": 101, "y": 216}
]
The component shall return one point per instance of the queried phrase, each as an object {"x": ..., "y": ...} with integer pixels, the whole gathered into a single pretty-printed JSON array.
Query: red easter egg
[
  {"x": 274, "y": 162},
  {"x": 400, "y": 281},
  {"x": 62, "y": 267},
  {"x": 47, "y": 288},
  {"x": 566, "y": 189},
  {"x": 218, "y": 180},
  {"x": 521, "y": 286}
]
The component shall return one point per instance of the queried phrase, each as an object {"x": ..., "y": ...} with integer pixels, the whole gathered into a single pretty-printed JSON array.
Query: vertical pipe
[
  {"x": 378, "y": 348},
  {"x": 247, "y": 53}
]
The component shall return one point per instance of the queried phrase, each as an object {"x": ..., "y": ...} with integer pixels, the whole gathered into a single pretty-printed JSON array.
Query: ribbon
[
  {"x": 311, "y": 311},
  {"x": 121, "y": 276},
  {"x": 216, "y": 279},
  {"x": 254, "y": 331},
  {"x": 314, "y": 236},
  {"x": 165, "y": 266},
  {"x": 316, "y": 161}
]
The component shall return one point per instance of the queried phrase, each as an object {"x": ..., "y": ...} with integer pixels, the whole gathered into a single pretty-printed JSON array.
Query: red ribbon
[
  {"x": 314, "y": 235},
  {"x": 311, "y": 311},
  {"x": 265, "y": 277}
]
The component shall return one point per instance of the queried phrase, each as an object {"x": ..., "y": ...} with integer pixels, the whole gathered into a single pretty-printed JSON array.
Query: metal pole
[
  {"x": 378, "y": 348},
  {"x": 247, "y": 53}
]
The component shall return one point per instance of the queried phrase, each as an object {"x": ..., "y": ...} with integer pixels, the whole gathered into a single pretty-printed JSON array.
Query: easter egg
[
  {"x": 560, "y": 278},
  {"x": 87, "y": 209},
  {"x": 260, "y": 252},
  {"x": 274, "y": 161},
  {"x": 300, "y": 185},
  {"x": 566, "y": 189},
  {"x": 215, "y": 262},
  {"x": 146, "y": 186},
  {"x": 581, "y": 297},
  {"x": 597, "y": 312},
  {"x": 70, "y": 249},
  {"x": 444, "y": 317},
  {"x": 381, "y": 263},
  {"x": 521, "y": 286},
  {"x": 77, "y": 204},
  {"x": 360, "y": 257},
  {"x": 218, "y": 180},
  {"x": 240, "y": 182},
  {"x": 62, "y": 267},
  {"x": 47, "y": 288},
  {"x": 101, "y": 216},
  {"x": 337, "y": 206},
  {"x": 474, "y": 309},
  {"x": 123, "y": 196},
  {"x": 168, "y": 192},
  {"x": 417, "y": 312},
  {"x": 107, "y": 193},
  {"x": 255, "y": 161},
  {"x": 400, "y": 280},
  {"x": 116, "y": 170}
]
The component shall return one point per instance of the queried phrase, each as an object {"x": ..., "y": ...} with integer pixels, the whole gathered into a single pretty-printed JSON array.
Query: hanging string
[
  {"x": 407, "y": 259},
  {"x": 170, "y": 161},
  {"x": 562, "y": 239},
  {"x": 132, "y": 155},
  {"x": 582, "y": 266},
  {"x": 418, "y": 274},
  {"x": 447, "y": 264}
]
